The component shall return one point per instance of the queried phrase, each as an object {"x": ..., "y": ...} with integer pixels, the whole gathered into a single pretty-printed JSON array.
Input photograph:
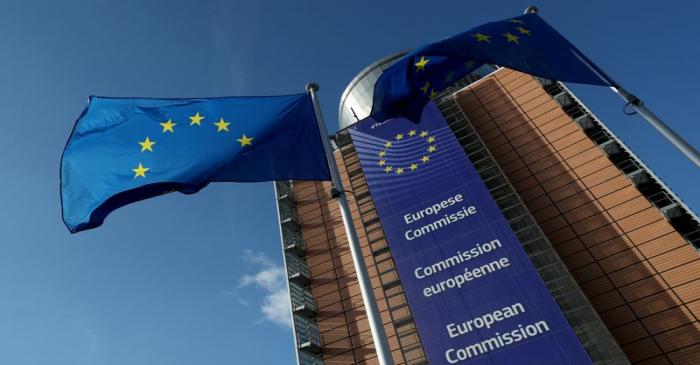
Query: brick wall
[
  {"x": 640, "y": 275},
  {"x": 342, "y": 321}
]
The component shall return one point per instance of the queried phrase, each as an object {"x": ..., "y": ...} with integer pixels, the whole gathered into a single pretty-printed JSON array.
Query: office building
[{"x": 614, "y": 246}]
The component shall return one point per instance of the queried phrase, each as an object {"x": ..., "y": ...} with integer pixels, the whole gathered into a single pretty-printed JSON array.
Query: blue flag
[
  {"x": 123, "y": 150},
  {"x": 525, "y": 43}
]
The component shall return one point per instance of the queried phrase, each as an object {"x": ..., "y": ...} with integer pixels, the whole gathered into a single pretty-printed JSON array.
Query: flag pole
[
  {"x": 638, "y": 105},
  {"x": 376, "y": 325},
  {"x": 689, "y": 151}
]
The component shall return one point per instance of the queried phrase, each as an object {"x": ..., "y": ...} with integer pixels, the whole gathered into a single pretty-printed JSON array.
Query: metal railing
[
  {"x": 292, "y": 241},
  {"x": 301, "y": 296},
  {"x": 296, "y": 265},
  {"x": 307, "y": 334},
  {"x": 284, "y": 189},
  {"x": 288, "y": 217}
]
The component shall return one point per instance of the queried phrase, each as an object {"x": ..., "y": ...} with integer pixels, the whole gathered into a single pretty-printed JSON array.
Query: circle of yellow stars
[
  {"x": 169, "y": 127},
  {"x": 414, "y": 165},
  {"x": 511, "y": 37}
]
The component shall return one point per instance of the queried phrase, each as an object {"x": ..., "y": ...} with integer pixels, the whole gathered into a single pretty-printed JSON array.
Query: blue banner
[{"x": 475, "y": 296}]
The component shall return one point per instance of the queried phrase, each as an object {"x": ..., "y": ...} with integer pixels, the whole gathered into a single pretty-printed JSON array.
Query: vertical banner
[{"x": 475, "y": 296}]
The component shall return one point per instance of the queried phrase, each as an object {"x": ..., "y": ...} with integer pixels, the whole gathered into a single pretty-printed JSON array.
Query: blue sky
[{"x": 196, "y": 279}]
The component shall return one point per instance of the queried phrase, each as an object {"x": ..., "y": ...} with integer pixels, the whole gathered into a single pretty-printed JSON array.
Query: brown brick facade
[
  {"x": 342, "y": 322},
  {"x": 640, "y": 274}
]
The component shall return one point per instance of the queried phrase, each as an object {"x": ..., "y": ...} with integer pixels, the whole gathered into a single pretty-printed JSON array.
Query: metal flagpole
[
  {"x": 689, "y": 151},
  {"x": 376, "y": 326},
  {"x": 638, "y": 105}
]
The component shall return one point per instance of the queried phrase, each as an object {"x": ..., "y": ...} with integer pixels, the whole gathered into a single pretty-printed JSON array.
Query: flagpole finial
[
  {"x": 531, "y": 10},
  {"x": 312, "y": 86}
]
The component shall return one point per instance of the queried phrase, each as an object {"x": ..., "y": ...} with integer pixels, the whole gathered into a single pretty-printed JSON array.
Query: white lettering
[
  {"x": 432, "y": 209},
  {"x": 465, "y": 277},
  {"x": 458, "y": 258}
]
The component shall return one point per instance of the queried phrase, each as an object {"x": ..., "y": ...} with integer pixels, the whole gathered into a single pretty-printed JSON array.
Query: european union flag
[
  {"x": 525, "y": 43},
  {"x": 123, "y": 150}
]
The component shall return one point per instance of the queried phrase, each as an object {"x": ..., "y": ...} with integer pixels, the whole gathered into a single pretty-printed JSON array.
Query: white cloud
[
  {"x": 276, "y": 308},
  {"x": 257, "y": 258},
  {"x": 234, "y": 294},
  {"x": 271, "y": 279}
]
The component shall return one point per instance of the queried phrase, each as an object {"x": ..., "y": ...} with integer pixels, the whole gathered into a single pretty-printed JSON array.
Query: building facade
[{"x": 614, "y": 246}]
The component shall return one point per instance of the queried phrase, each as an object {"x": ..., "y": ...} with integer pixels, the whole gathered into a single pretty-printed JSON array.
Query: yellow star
[
  {"x": 147, "y": 145},
  {"x": 388, "y": 169},
  {"x": 433, "y": 94},
  {"x": 222, "y": 125},
  {"x": 382, "y": 153},
  {"x": 381, "y": 162},
  {"x": 196, "y": 119},
  {"x": 140, "y": 171},
  {"x": 511, "y": 38},
  {"x": 431, "y": 139},
  {"x": 431, "y": 149},
  {"x": 399, "y": 137},
  {"x": 524, "y": 31},
  {"x": 412, "y": 133},
  {"x": 245, "y": 141},
  {"x": 399, "y": 171},
  {"x": 425, "y": 159},
  {"x": 414, "y": 166},
  {"x": 168, "y": 126},
  {"x": 482, "y": 37},
  {"x": 423, "y": 134},
  {"x": 425, "y": 87},
  {"x": 517, "y": 21},
  {"x": 420, "y": 65},
  {"x": 387, "y": 144}
]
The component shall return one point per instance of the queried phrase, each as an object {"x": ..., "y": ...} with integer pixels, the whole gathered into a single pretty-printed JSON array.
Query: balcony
[
  {"x": 599, "y": 136},
  {"x": 693, "y": 238},
  {"x": 299, "y": 278},
  {"x": 310, "y": 347},
  {"x": 302, "y": 301},
  {"x": 633, "y": 171},
  {"x": 292, "y": 242},
  {"x": 585, "y": 122},
  {"x": 308, "y": 338},
  {"x": 284, "y": 190},
  {"x": 289, "y": 219},
  {"x": 297, "y": 271},
  {"x": 610, "y": 147},
  {"x": 668, "y": 207},
  {"x": 564, "y": 99},
  {"x": 306, "y": 358},
  {"x": 304, "y": 310}
]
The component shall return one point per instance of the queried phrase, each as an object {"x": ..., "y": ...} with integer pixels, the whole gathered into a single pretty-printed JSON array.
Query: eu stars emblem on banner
[
  {"x": 407, "y": 152},
  {"x": 525, "y": 43},
  {"x": 401, "y": 154},
  {"x": 123, "y": 150}
]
